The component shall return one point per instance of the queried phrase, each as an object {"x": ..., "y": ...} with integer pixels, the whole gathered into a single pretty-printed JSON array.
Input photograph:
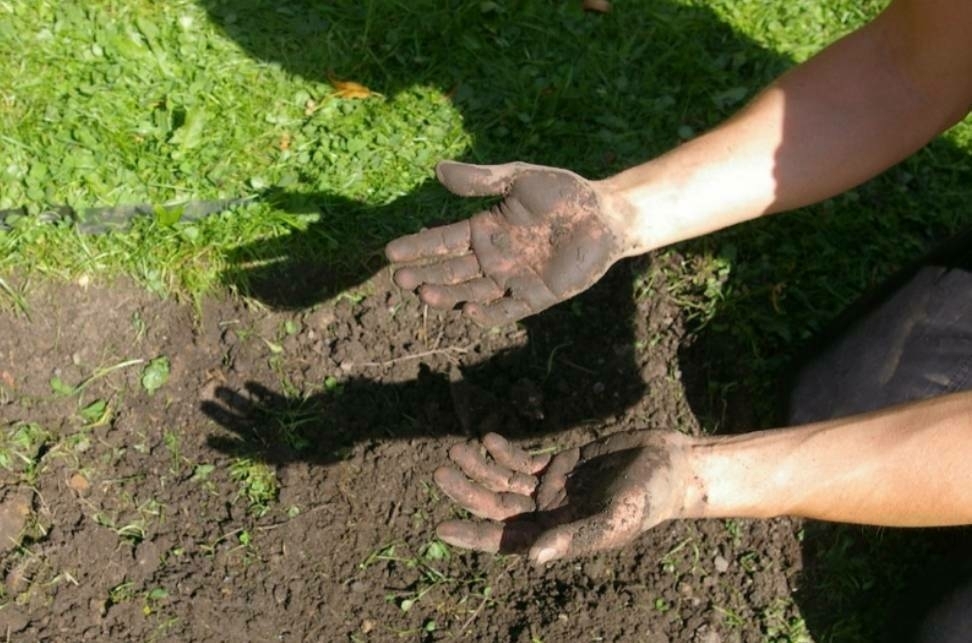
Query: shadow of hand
[{"x": 280, "y": 427}]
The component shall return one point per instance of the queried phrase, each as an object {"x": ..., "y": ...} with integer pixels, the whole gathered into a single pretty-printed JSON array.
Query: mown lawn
[{"x": 137, "y": 102}]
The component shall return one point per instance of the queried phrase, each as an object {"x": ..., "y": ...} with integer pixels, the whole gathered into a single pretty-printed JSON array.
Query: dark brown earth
[{"x": 137, "y": 525}]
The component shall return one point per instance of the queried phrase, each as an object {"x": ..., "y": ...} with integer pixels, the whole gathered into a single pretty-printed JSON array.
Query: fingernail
[{"x": 546, "y": 555}]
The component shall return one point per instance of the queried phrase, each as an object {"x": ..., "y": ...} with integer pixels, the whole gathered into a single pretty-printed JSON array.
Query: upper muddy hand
[
  {"x": 552, "y": 236},
  {"x": 599, "y": 496}
]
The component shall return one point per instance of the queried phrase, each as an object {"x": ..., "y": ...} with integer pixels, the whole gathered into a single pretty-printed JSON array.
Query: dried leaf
[
  {"x": 350, "y": 89},
  {"x": 596, "y": 6}
]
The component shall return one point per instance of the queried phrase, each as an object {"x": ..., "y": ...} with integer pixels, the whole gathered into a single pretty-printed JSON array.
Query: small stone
[
  {"x": 79, "y": 483},
  {"x": 12, "y": 620},
  {"x": 721, "y": 564},
  {"x": 14, "y": 511},
  {"x": 706, "y": 634},
  {"x": 595, "y": 568},
  {"x": 99, "y": 606},
  {"x": 367, "y": 625}
]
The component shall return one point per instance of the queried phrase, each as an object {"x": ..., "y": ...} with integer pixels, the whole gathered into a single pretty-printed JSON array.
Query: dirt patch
[{"x": 277, "y": 485}]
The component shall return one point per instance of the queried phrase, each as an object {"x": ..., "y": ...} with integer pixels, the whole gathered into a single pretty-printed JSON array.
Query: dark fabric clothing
[
  {"x": 915, "y": 344},
  {"x": 909, "y": 340}
]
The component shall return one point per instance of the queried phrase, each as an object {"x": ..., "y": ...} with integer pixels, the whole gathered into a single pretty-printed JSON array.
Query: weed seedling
[
  {"x": 155, "y": 374},
  {"x": 21, "y": 448},
  {"x": 257, "y": 482}
]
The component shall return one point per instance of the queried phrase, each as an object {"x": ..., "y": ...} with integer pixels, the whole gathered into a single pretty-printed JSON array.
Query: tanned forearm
[
  {"x": 904, "y": 466},
  {"x": 860, "y": 106}
]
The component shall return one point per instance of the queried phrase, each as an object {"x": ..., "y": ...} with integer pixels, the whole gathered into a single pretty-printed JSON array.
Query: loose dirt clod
[{"x": 14, "y": 512}]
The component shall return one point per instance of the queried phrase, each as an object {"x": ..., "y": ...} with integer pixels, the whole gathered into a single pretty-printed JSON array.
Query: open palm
[{"x": 547, "y": 240}]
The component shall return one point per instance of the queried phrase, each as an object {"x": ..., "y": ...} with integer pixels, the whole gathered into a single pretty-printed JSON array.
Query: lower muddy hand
[
  {"x": 596, "y": 497},
  {"x": 552, "y": 236}
]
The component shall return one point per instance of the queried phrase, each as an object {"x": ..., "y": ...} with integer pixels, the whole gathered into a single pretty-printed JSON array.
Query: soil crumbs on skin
[{"x": 223, "y": 472}]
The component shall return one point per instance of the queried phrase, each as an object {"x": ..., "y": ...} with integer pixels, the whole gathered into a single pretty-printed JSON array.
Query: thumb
[
  {"x": 465, "y": 179},
  {"x": 598, "y": 532}
]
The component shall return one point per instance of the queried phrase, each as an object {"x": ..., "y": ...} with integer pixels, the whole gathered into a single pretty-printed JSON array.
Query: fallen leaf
[
  {"x": 350, "y": 89},
  {"x": 596, "y": 6}
]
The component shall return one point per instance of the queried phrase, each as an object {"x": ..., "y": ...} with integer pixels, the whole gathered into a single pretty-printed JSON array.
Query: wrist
[
  {"x": 677, "y": 491},
  {"x": 625, "y": 216},
  {"x": 738, "y": 476}
]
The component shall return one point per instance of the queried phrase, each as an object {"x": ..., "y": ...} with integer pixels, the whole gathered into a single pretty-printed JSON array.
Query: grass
[
  {"x": 137, "y": 102},
  {"x": 141, "y": 102},
  {"x": 20, "y": 447}
]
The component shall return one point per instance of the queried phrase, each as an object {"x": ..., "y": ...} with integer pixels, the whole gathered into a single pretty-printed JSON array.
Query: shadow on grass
[{"x": 545, "y": 83}]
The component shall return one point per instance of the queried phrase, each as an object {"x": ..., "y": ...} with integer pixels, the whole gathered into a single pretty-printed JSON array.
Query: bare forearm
[
  {"x": 863, "y": 104},
  {"x": 906, "y": 466}
]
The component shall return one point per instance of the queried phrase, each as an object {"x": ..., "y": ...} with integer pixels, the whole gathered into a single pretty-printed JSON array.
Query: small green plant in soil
[
  {"x": 257, "y": 482},
  {"x": 422, "y": 574},
  {"x": 155, "y": 374},
  {"x": 21, "y": 444}
]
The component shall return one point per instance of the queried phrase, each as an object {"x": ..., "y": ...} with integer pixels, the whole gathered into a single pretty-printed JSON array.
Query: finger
[
  {"x": 449, "y": 271},
  {"x": 482, "y": 536},
  {"x": 609, "y": 530},
  {"x": 479, "y": 501},
  {"x": 233, "y": 400},
  {"x": 434, "y": 242},
  {"x": 509, "y": 455},
  {"x": 262, "y": 394},
  {"x": 551, "y": 491},
  {"x": 225, "y": 416},
  {"x": 483, "y": 289},
  {"x": 465, "y": 179},
  {"x": 613, "y": 444},
  {"x": 501, "y": 311},
  {"x": 492, "y": 476},
  {"x": 508, "y": 538}
]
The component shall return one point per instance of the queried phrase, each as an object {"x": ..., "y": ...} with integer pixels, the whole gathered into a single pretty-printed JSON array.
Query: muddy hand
[
  {"x": 552, "y": 236},
  {"x": 596, "y": 497}
]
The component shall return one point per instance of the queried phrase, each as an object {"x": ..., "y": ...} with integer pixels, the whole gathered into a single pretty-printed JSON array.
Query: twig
[
  {"x": 486, "y": 599},
  {"x": 472, "y": 617},
  {"x": 462, "y": 350}
]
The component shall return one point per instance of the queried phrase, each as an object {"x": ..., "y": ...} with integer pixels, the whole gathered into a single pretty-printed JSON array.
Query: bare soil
[{"x": 151, "y": 522}]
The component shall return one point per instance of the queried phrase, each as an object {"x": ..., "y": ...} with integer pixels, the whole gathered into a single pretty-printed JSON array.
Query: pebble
[{"x": 14, "y": 511}]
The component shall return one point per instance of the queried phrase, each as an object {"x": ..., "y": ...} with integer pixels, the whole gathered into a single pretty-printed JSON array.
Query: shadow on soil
[{"x": 546, "y": 83}]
